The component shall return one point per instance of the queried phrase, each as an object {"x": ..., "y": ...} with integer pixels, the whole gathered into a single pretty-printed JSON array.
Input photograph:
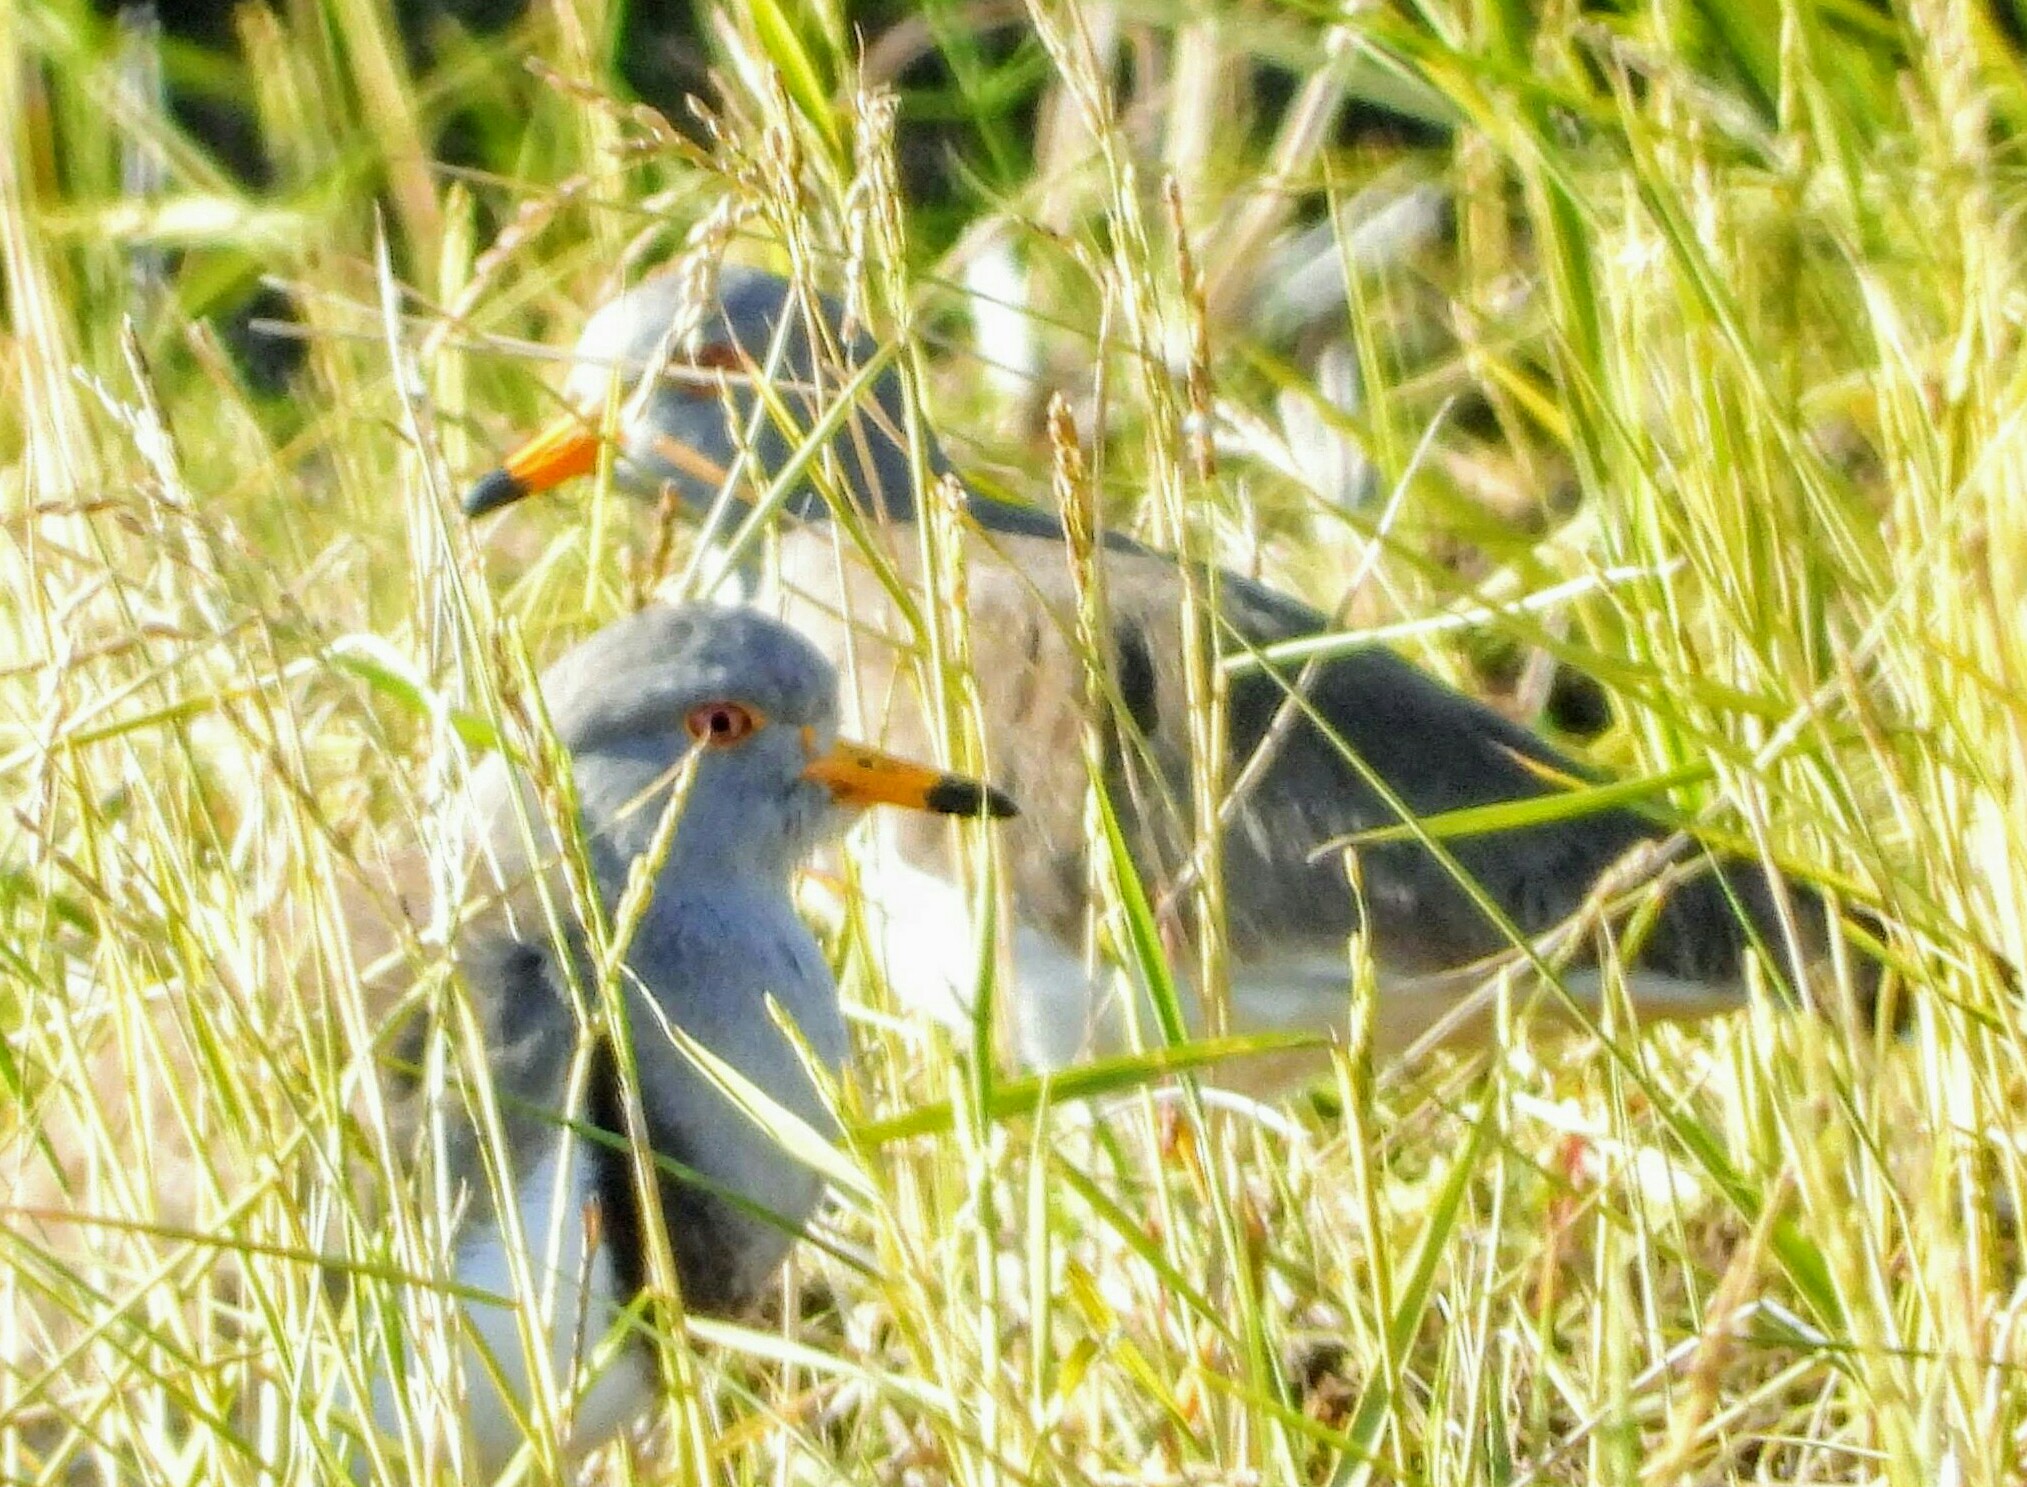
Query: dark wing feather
[
  {"x": 531, "y": 1037},
  {"x": 1437, "y": 751}
]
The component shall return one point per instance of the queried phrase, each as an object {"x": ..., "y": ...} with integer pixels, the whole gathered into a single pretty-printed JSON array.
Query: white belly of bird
[
  {"x": 600, "y": 1385},
  {"x": 924, "y": 939}
]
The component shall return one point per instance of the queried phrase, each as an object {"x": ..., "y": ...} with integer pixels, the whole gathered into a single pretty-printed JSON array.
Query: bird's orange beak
[
  {"x": 563, "y": 451},
  {"x": 859, "y": 776}
]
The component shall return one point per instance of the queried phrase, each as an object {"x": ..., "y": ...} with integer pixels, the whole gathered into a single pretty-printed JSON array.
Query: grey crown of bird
[
  {"x": 751, "y": 708},
  {"x": 1367, "y": 726}
]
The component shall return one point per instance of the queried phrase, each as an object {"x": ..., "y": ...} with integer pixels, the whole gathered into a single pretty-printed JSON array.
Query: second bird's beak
[
  {"x": 564, "y": 450},
  {"x": 859, "y": 776}
]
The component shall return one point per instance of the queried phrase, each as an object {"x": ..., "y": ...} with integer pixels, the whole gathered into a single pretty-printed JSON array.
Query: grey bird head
[
  {"x": 757, "y": 705},
  {"x": 683, "y": 430}
]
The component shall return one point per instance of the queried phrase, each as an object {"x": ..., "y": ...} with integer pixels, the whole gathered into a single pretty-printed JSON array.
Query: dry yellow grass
[{"x": 1726, "y": 338}]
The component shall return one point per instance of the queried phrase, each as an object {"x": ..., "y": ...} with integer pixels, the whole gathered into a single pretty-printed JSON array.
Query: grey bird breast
[{"x": 730, "y": 1200}]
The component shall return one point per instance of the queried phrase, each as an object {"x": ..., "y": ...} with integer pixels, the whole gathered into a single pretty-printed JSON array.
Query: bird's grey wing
[
  {"x": 1305, "y": 747},
  {"x": 1438, "y": 751},
  {"x": 1435, "y": 749},
  {"x": 528, "y": 1036}
]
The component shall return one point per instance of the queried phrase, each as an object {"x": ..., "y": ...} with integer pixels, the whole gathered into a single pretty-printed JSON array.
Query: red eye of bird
[
  {"x": 718, "y": 356},
  {"x": 718, "y": 725},
  {"x": 712, "y": 356}
]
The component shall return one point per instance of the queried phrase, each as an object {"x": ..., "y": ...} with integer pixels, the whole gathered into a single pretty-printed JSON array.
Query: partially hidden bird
[
  {"x": 733, "y": 716},
  {"x": 712, "y": 399},
  {"x": 705, "y": 764}
]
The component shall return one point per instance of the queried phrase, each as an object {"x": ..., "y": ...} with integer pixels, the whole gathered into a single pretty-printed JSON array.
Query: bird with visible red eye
[
  {"x": 719, "y": 725},
  {"x": 719, "y": 969}
]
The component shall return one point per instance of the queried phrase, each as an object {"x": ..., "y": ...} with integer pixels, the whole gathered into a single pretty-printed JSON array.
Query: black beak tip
[
  {"x": 952, "y": 796},
  {"x": 491, "y": 491}
]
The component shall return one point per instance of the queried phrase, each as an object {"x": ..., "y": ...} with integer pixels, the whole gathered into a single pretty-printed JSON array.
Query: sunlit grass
[{"x": 1723, "y": 352}]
